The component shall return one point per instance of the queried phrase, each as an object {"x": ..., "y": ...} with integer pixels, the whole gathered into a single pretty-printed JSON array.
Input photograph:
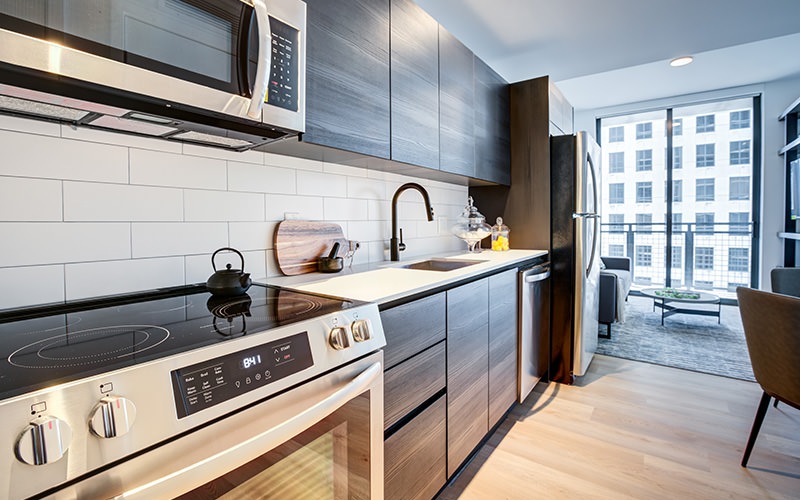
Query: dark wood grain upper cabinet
[
  {"x": 347, "y": 76},
  {"x": 492, "y": 125},
  {"x": 456, "y": 106},
  {"x": 414, "y": 85}
]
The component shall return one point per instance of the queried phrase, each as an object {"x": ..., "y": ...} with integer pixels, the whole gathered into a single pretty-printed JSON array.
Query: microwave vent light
[
  {"x": 134, "y": 126},
  {"x": 216, "y": 140}
]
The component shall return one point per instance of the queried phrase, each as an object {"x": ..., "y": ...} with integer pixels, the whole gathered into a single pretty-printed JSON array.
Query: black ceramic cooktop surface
[{"x": 42, "y": 347}]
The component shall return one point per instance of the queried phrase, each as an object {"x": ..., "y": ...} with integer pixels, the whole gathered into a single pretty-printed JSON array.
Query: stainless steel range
[{"x": 274, "y": 393}]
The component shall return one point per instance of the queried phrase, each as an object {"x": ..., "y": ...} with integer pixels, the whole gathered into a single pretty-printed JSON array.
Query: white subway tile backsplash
[
  {"x": 306, "y": 207},
  {"x": 440, "y": 196},
  {"x": 25, "y": 286},
  {"x": 29, "y": 155},
  {"x": 91, "y": 201},
  {"x": 364, "y": 231},
  {"x": 345, "y": 209},
  {"x": 364, "y": 188},
  {"x": 272, "y": 264},
  {"x": 427, "y": 229},
  {"x": 30, "y": 199},
  {"x": 93, "y": 279},
  {"x": 17, "y": 124},
  {"x": 261, "y": 178},
  {"x": 291, "y": 162},
  {"x": 156, "y": 168},
  {"x": 107, "y": 137},
  {"x": 350, "y": 171},
  {"x": 211, "y": 206},
  {"x": 379, "y": 210},
  {"x": 125, "y": 213},
  {"x": 39, "y": 243},
  {"x": 321, "y": 184},
  {"x": 378, "y": 250},
  {"x": 161, "y": 239},
  {"x": 251, "y": 235}
]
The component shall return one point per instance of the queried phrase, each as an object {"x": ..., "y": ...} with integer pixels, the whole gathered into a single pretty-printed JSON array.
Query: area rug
[{"x": 685, "y": 341}]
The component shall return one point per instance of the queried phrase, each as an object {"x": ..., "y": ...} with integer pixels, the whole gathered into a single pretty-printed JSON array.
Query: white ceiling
[{"x": 607, "y": 52}]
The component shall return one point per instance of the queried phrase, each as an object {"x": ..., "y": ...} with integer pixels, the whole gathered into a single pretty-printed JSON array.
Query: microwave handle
[
  {"x": 200, "y": 472},
  {"x": 264, "y": 61}
]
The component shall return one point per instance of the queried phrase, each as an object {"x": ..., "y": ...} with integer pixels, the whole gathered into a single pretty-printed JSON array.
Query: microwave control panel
[
  {"x": 282, "y": 88},
  {"x": 211, "y": 382}
]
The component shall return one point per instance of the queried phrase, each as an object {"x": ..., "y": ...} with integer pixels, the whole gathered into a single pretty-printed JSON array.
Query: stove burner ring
[{"x": 44, "y": 352}]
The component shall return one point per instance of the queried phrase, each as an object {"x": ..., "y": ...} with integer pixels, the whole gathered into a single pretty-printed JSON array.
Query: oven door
[
  {"x": 226, "y": 56},
  {"x": 321, "y": 440}
]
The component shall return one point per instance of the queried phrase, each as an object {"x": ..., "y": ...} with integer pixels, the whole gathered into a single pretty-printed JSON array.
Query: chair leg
[{"x": 762, "y": 410}]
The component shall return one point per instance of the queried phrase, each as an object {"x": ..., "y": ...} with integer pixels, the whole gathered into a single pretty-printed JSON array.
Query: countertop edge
[{"x": 420, "y": 283}]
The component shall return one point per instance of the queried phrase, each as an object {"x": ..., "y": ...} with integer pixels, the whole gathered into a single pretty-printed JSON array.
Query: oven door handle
[
  {"x": 199, "y": 473},
  {"x": 264, "y": 61}
]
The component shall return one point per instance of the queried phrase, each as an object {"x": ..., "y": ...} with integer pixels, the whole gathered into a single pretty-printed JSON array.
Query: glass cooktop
[{"x": 46, "y": 346}]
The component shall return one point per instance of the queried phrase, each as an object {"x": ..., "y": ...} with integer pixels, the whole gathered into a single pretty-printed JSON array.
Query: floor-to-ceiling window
[{"x": 679, "y": 194}]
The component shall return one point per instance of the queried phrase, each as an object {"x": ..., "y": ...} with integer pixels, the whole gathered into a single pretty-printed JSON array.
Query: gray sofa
[{"x": 615, "y": 283}]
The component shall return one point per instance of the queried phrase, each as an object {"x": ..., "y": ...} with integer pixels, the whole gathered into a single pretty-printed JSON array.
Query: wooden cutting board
[{"x": 300, "y": 243}]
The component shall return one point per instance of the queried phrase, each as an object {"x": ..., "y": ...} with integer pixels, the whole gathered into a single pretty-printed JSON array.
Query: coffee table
[{"x": 664, "y": 302}]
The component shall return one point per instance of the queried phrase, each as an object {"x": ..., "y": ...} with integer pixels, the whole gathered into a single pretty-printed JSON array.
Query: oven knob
[
  {"x": 361, "y": 330},
  {"x": 44, "y": 441},
  {"x": 113, "y": 416},
  {"x": 338, "y": 338}
]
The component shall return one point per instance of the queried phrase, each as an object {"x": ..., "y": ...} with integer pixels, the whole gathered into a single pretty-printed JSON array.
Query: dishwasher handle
[{"x": 537, "y": 277}]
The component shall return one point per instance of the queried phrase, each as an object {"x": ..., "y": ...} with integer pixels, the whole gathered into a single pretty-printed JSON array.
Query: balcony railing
[{"x": 705, "y": 256}]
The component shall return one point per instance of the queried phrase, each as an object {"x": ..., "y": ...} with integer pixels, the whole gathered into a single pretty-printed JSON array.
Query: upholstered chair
[{"x": 770, "y": 323}]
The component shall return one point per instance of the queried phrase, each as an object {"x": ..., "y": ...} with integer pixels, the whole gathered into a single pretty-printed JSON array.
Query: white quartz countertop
[{"x": 386, "y": 281}]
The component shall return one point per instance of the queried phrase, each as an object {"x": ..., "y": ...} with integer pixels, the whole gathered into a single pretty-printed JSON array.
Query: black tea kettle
[{"x": 228, "y": 282}]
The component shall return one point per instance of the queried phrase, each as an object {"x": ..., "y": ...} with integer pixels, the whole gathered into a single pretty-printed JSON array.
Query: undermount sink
[{"x": 441, "y": 264}]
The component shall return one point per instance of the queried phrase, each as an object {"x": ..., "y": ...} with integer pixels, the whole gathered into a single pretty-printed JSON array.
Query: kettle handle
[{"x": 237, "y": 252}]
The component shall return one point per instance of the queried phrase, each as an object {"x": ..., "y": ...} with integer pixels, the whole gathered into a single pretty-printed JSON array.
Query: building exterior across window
[{"x": 711, "y": 194}]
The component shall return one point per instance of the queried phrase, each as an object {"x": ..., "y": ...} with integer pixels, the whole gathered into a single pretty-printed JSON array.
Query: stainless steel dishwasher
[{"x": 534, "y": 327}]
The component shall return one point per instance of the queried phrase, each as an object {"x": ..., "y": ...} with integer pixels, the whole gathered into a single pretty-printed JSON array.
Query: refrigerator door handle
[{"x": 594, "y": 245}]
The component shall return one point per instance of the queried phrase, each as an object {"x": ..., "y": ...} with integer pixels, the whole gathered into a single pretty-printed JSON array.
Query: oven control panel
[{"x": 211, "y": 382}]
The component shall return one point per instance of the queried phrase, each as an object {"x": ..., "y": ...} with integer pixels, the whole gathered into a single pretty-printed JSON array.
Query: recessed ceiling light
[{"x": 681, "y": 61}]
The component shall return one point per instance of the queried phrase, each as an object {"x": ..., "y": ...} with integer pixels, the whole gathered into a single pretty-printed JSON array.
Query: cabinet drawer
[
  {"x": 410, "y": 383},
  {"x": 414, "y": 457},
  {"x": 413, "y": 327}
]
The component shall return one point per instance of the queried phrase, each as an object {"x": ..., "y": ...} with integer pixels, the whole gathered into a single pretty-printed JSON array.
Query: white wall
[
  {"x": 775, "y": 98},
  {"x": 85, "y": 213}
]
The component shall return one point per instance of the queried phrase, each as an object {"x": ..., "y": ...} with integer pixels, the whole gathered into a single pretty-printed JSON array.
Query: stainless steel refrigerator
[{"x": 574, "y": 260}]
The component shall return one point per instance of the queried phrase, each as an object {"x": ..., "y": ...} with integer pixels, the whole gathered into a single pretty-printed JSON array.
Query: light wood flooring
[{"x": 633, "y": 430}]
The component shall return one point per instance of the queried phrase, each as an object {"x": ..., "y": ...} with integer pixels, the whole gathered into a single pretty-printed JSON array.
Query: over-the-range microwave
[{"x": 226, "y": 73}]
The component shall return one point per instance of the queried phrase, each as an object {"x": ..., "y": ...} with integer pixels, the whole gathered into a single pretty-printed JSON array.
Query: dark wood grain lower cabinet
[
  {"x": 413, "y": 327},
  {"x": 467, "y": 370},
  {"x": 502, "y": 344},
  {"x": 409, "y": 384},
  {"x": 415, "y": 456}
]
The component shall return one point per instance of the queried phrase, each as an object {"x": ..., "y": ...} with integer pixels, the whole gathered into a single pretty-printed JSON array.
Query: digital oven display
[{"x": 211, "y": 382}]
